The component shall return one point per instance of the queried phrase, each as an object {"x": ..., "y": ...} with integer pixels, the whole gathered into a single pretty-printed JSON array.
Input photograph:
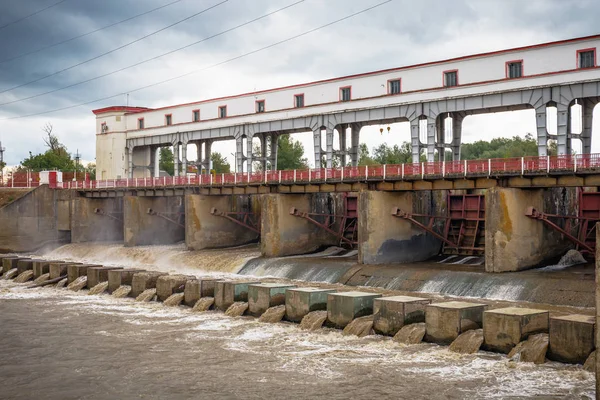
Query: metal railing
[{"x": 501, "y": 167}]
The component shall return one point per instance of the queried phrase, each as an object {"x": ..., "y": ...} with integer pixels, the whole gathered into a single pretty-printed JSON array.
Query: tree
[
  {"x": 90, "y": 169},
  {"x": 385, "y": 154},
  {"x": 290, "y": 154},
  {"x": 500, "y": 148},
  {"x": 55, "y": 158},
  {"x": 364, "y": 158},
  {"x": 166, "y": 161},
  {"x": 219, "y": 163}
]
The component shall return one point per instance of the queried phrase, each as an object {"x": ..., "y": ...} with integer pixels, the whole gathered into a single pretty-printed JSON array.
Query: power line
[
  {"x": 205, "y": 68},
  {"x": 115, "y": 49},
  {"x": 31, "y": 15},
  {"x": 152, "y": 58},
  {"x": 88, "y": 33}
]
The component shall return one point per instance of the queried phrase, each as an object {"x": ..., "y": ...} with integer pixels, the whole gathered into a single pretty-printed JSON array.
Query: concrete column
[
  {"x": 199, "y": 157},
  {"x": 207, "y": 163},
  {"x": 415, "y": 140},
  {"x": 441, "y": 137},
  {"x": 457, "y": 120},
  {"x": 587, "y": 115},
  {"x": 249, "y": 154},
  {"x": 274, "y": 141},
  {"x": 317, "y": 147},
  {"x": 342, "y": 140},
  {"x": 383, "y": 238},
  {"x": 355, "y": 143},
  {"x": 514, "y": 242},
  {"x": 431, "y": 134},
  {"x": 130, "y": 162},
  {"x": 176, "y": 159},
  {"x": 97, "y": 220},
  {"x": 263, "y": 150},
  {"x": 542, "y": 131},
  {"x": 283, "y": 234},
  {"x": 329, "y": 145},
  {"x": 563, "y": 141},
  {"x": 156, "y": 172},
  {"x": 153, "y": 220},
  {"x": 203, "y": 230},
  {"x": 184, "y": 159},
  {"x": 239, "y": 154}
]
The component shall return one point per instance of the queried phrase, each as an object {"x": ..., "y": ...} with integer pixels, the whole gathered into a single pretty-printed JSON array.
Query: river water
[{"x": 56, "y": 344}]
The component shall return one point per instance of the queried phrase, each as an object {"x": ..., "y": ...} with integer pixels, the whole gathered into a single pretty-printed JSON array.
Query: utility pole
[
  {"x": 77, "y": 158},
  {"x": 1, "y": 164}
]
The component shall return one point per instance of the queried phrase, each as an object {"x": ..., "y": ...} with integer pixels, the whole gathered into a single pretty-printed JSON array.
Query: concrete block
[
  {"x": 301, "y": 301},
  {"x": 144, "y": 280},
  {"x": 392, "y": 313},
  {"x": 24, "y": 264},
  {"x": 228, "y": 292},
  {"x": 40, "y": 267},
  {"x": 343, "y": 307},
  {"x": 504, "y": 328},
  {"x": 445, "y": 321},
  {"x": 74, "y": 271},
  {"x": 58, "y": 268},
  {"x": 166, "y": 285},
  {"x": 197, "y": 288},
  {"x": 98, "y": 274},
  {"x": 571, "y": 338},
  {"x": 118, "y": 277},
  {"x": 265, "y": 295},
  {"x": 9, "y": 263}
]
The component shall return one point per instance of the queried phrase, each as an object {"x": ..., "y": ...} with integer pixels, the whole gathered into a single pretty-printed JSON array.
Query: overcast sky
[{"x": 399, "y": 33}]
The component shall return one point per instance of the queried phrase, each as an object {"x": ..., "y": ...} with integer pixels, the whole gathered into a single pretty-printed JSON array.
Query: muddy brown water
[{"x": 58, "y": 344}]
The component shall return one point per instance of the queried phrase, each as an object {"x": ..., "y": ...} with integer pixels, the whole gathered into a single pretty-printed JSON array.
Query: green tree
[
  {"x": 290, "y": 154},
  {"x": 91, "y": 170},
  {"x": 385, "y": 154},
  {"x": 166, "y": 160},
  {"x": 56, "y": 157},
  {"x": 500, "y": 148},
  {"x": 364, "y": 158},
  {"x": 219, "y": 163}
]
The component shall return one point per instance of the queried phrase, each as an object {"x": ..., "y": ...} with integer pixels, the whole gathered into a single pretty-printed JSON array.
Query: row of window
[{"x": 514, "y": 69}]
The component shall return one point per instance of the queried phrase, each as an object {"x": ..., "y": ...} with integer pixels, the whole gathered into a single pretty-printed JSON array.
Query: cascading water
[
  {"x": 62, "y": 283},
  {"x": 361, "y": 327},
  {"x": 78, "y": 284},
  {"x": 11, "y": 273},
  {"x": 411, "y": 334},
  {"x": 314, "y": 320},
  {"x": 146, "y": 296},
  {"x": 41, "y": 278},
  {"x": 273, "y": 314},
  {"x": 122, "y": 291},
  {"x": 237, "y": 309},
  {"x": 203, "y": 304},
  {"x": 24, "y": 277},
  {"x": 531, "y": 350},
  {"x": 174, "y": 300},
  {"x": 99, "y": 288}
]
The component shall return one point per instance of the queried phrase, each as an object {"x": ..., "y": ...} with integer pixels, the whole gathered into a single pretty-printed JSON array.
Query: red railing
[{"x": 521, "y": 166}]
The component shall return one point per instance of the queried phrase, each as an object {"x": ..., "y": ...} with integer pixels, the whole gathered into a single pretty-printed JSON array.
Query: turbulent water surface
[{"x": 59, "y": 344}]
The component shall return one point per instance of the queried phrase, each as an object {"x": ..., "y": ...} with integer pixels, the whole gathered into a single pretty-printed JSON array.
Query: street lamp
[{"x": 77, "y": 158}]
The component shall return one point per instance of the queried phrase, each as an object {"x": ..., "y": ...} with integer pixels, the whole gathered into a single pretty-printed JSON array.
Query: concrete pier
[
  {"x": 300, "y": 301},
  {"x": 97, "y": 220},
  {"x": 75, "y": 271},
  {"x": 166, "y": 285},
  {"x": 206, "y": 231},
  {"x": 9, "y": 263},
  {"x": 58, "y": 268},
  {"x": 446, "y": 321},
  {"x": 571, "y": 338},
  {"x": 197, "y": 288},
  {"x": 262, "y": 296},
  {"x": 228, "y": 292},
  {"x": 343, "y": 307},
  {"x": 504, "y": 328},
  {"x": 40, "y": 267},
  {"x": 144, "y": 280},
  {"x": 98, "y": 274},
  {"x": 383, "y": 238},
  {"x": 152, "y": 220},
  {"x": 118, "y": 277},
  {"x": 24, "y": 264},
  {"x": 392, "y": 313}
]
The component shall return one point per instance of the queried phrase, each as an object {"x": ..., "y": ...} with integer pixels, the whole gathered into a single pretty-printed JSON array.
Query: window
[
  {"x": 587, "y": 58},
  {"x": 514, "y": 69},
  {"x": 196, "y": 115},
  {"x": 140, "y": 123},
  {"x": 222, "y": 111},
  {"x": 394, "y": 86},
  {"x": 260, "y": 106},
  {"x": 103, "y": 127},
  {"x": 168, "y": 119},
  {"x": 299, "y": 100},
  {"x": 346, "y": 93},
  {"x": 450, "y": 78}
]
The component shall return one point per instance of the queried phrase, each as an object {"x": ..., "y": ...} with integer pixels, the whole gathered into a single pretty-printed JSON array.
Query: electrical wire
[
  {"x": 87, "y": 33},
  {"x": 31, "y": 15},
  {"x": 152, "y": 58},
  {"x": 115, "y": 49},
  {"x": 205, "y": 68}
]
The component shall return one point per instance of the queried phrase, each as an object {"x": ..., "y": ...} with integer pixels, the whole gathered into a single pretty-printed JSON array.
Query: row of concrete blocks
[{"x": 571, "y": 337}]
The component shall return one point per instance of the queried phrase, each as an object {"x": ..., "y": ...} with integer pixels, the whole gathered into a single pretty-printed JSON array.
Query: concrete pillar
[
  {"x": 130, "y": 162},
  {"x": 176, "y": 159},
  {"x": 415, "y": 139},
  {"x": 229, "y": 292},
  {"x": 249, "y": 154},
  {"x": 457, "y": 120},
  {"x": 383, "y": 238},
  {"x": 393, "y": 312},
  {"x": 355, "y": 143},
  {"x": 156, "y": 172},
  {"x": 184, "y": 159},
  {"x": 263, "y": 151},
  {"x": 153, "y": 220},
  {"x": 207, "y": 155},
  {"x": 263, "y": 296},
  {"x": 329, "y": 147},
  {"x": 542, "y": 131},
  {"x": 204, "y": 230},
  {"x": 98, "y": 275},
  {"x": 441, "y": 136},
  {"x": 562, "y": 117},
  {"x": 317, "y": 147},
  {"x": 283, "y": 234},
  {"x": 301, "y": 301},
  {"x": 239, "y": 154},
  {"x": 571, "y": 338},
  {"x": 342, "y": 143},
  {"x": 504, "y": 328},
  {"x": 97, "y": 220},
  {"x": 514, "y": 242},
  {"x": 343, "y": 307},
  {"x": 431, "y": 135},
  {"x": 274, "y": 143},
  {"x": 446, "y": 321},
  {"x": 144, "y": 280},
  {"x": 587, "y": 116},
  {"x": 118, "y": 277}
]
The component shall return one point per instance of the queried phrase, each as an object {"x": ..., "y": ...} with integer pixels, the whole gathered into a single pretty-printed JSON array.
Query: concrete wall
[
  {"x": 515, "y": 242},
  {"x": 88, "y": 226},
  {"x": 204, "y": 230},
  {"x": 383, "y": 238},
  {"x": 283, "y": 234},
  {"x": 142, "y": 228},
  {"x": 30, "y": 222}
]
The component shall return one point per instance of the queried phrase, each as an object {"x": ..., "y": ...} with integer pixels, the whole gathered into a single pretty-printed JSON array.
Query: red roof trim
[{"x": 128, "y": 110}]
